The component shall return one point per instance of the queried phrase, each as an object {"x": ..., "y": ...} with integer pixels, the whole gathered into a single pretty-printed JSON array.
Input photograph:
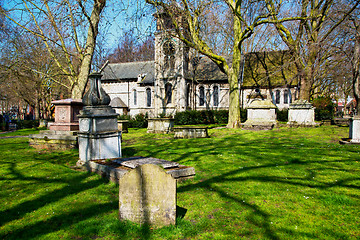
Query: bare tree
[
  {"x": 189, "y": 21},
  {"x": 130, "y": 50},
  {"x": 308, "y": 38},
  {"x": 28, "y": 73},
  {"x": 59, "y": 25}
]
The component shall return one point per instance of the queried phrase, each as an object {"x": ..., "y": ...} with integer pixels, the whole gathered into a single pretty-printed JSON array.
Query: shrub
[
  {"x": 324, "y": 108},
  {"x": 243, "y": 115},
  {"x": 282, "y": 115},
  {"x": 21, "y": 124},
  {"x": 139, "y": 121},
  {"x": 201, "y": 117},
  {"x": 221, "y": 116}
]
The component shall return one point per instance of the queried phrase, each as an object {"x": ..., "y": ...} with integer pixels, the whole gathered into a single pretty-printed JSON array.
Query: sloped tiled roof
[
  {"x": 269, "y": 69},
  {"x": 262, "y": 69},
  {"x": 207, "y": 70},
  {"x": 117, "y": 103},
  {"x": 129, "y": 71}
]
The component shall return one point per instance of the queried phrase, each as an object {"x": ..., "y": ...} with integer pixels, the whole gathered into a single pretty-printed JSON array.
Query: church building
[{"x": 176, "y": 81}]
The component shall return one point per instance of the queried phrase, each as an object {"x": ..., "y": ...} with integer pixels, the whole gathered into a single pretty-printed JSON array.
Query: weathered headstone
[
  {"x": 301, "y": 113},
  {"x": 147, "y": 194},
  {"x": 99, "y": 137},
  {"x": 261, "y": 115}
]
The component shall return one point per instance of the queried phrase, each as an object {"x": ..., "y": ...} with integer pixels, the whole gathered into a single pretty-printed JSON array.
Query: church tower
[{"x": 171, "y": 66}]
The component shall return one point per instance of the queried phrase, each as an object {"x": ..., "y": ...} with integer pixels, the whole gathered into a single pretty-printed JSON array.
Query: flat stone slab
[
  {"x": 134, "y": 162},
  {"x": 348, "y": 141},
  {"x": 114, "y": 169},
  {"x": 51, "y": 139}
]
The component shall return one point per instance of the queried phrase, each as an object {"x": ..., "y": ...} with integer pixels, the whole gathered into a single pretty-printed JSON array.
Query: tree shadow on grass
[
  {"x": 258, "y": 217},
  {"x": 61, "y": 221},
  {"x": 31, "y": 205},
  {"x": 74, "y": 185}
]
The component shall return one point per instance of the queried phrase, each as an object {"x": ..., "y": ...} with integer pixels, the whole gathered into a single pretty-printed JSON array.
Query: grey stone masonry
[
  {"x": 114, "y": 169},
  {"x": 261, "y": 115},
  {"x": 99, "y": 137},
  {"x": 301, "y": 113},
  {"x": 160, "y": 125},
  {"x": 354, "y": 129},
  {"x": 191, "y": 132}
]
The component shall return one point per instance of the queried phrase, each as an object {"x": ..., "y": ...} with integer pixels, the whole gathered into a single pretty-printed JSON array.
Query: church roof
[
  {"x": 117, "y": 103},
  {"x": 269, "y": 69},
  {"x": 261, "y": 69},
  {"x": 129, "y": 71},
  {"x": 207, "y": 70}
]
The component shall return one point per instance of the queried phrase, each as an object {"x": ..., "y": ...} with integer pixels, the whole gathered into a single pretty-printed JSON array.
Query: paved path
[{"x": 10, "y": 136}]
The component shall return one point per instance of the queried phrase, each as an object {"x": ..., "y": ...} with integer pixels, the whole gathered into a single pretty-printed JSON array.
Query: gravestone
[
  {"x": 261, "y": 115},
  {"x": 147, "y": 194},
  {"x": 160, "y": 125},
  {"x": 62, "y": 134},
  {"x": 301, "y": 113},
  {"x": 99, "y": 137}
]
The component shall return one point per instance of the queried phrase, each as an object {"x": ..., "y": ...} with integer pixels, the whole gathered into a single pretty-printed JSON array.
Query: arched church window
[
  {"x": 286, "y": 96},
  {"x": 135, "y": 97},
  {"x": 216, "y": 95},
  {"x": 148, "y": 97},
  {"x": 202, "y": 96},
  {"x": 277, "y": 96},
  {"x": 187, "y": 95},
  {"x": 168, "y": 93},
  {"x": 169, "y": 52}
]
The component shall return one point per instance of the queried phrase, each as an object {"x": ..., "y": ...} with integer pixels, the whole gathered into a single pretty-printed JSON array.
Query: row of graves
[{"x": 147, "y": 186}]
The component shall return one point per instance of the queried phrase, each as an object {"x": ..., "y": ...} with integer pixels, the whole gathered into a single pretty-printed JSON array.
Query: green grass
[{"x": 280, "y": 184}]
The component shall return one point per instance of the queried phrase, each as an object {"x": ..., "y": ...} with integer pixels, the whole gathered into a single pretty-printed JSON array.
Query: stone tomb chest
[
  {"x": 261, "y": 115},
  {"x": 160, "y": 125},
  {"x": 66, "y": 112},
  {"x": 191, "y": 132},
  {"x": 63, "y": 132},
  {"x": 301, "y": 113}
]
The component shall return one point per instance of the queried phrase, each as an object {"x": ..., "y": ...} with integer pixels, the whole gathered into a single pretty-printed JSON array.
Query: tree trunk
[
  {"x": 356, "y": 71},
  {"x": 233, "y": 79},
  {"x": 234, "y": 102},
  {"x": 81, "y": 81}
]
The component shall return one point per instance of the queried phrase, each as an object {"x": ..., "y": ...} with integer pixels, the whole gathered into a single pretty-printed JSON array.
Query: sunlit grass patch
[{"x": 288, "y": 183}]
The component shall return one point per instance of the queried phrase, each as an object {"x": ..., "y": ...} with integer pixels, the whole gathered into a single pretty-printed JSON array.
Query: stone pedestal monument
[
  {"x": 261, "y": 115},
  {"x": 66, "y": 112},
  {"x": 62, "y": 133},
  {"x": 354, "y": 129},
  {"x": 99, "y": 137},
  {"x": 301, "y": 113}
]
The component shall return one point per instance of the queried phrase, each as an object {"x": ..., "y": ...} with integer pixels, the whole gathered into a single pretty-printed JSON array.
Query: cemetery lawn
[{"x": 288, "y": 183}]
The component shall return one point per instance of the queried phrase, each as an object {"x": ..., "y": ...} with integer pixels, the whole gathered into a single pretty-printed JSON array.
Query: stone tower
[{"x": 171, "y": 66}]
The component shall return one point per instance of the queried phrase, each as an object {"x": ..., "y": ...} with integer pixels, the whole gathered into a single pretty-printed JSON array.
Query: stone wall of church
[
  {"x": 135, "y": 98},
  {"x": 212, "y": 96}
]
